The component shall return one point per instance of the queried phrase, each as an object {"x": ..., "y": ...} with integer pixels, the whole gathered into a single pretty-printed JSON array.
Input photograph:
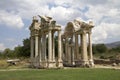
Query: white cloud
[
  {"x": 64, "y": 3},
  {"x": 104, "y": 13},
  {"x": 106, "y": 17},
  {"x": 62, "y": 14},
  {"x": 10, "y": 19},
  {"x": 2, "y": 47},
  {"x": 105, "y": 32}
]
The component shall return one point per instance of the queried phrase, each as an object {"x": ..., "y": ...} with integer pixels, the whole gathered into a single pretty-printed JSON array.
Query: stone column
[
  {"x": 73, "y": 56},
  {"x": 45, "y": 56},
  {"x": 84, "y": 49},
  {"x": 40, "y": 50},
  {"x": 76, "y": 48},
  {"x": 32, "y": 50},
  {"x": 53, "y": 47},
  {"x": 63, "y": 54},
  {"x": 36, "y": 51},
  {"x": 36, "y": 46},
  {"x": 51, "y": 63},
  {"x": 72, "y": 50},
  {"x": 90, "y": 49},
  {"x": 69, "y": 54},
  {"x": 60, "y": 64},
  {"x": 44, "y": 61},
  {"x": 66, "y": 50}
]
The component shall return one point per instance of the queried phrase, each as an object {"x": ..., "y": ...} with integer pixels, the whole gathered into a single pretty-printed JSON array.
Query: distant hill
[{"x": 113, "y": 45}]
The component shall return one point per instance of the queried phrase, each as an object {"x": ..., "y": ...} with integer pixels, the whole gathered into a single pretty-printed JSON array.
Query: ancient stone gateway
[
  {"x": 68, "y": 43},
  {"x": 75, "y": 32},
  {"x": 39, "y": 32}
]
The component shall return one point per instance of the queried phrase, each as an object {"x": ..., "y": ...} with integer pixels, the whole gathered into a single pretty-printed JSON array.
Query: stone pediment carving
[
  {"x": 77, "y": 26},
  {"x": 45, "y": 18},
  {"x": 47, "y": 21},
  {"x": 35, "y": 24},
  {"x": 73, "y": 26}
]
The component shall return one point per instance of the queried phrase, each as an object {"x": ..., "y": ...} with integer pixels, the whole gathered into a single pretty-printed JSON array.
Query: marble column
[
  {"x": 62, "y": 50},
  {"x": 72, "y": 50},
  {"x": 36, "y": 51},
  {"x": 32, "y": 49},
  {"x": 73, "y": 56},
  {"x": 36, "y": 46},
  {"x": 66, "y": 49},
  {"x": 53, "y": 47},
  {"x": 76, "y": 48},
  {"x": 44, "y": 61},
  {"x": 40, "y": 49},
  {"x": 84, "y": 49},
  {"x": 60, "y": 64},
  {"x": 45, "y": 56},
  {"x": 69, "y": 54},
  {"x": 90, "y": 49},
  {"x": 50, "y": 61}
]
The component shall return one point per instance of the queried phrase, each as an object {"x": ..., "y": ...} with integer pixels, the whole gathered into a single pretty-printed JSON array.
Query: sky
[{"x": 16, "y": 17}]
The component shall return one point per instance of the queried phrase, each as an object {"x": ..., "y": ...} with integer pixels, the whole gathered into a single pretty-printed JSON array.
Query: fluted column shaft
[
  {"x": 66, "y": 49},
  {"x": 59, "y": 47},
  {"x": 90, "y": 49},
  {"x": 76, "y": 47},
  {"x": 36, "y": 45},
  {"x": 84, "y": 48},
  {"x": 40, "y": 49},
  {"x": 49, "y": 46},
  {"x": 32, "y": 49},
  {"x": 60, "y": 64},
  {"x": 45, "y": 47},
  {"x": 53, "y": 47}
]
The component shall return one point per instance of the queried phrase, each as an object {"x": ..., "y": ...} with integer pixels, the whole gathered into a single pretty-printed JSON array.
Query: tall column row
[
  {"x": 86, "y": 49},
  {"x": 38, "y": 51}
]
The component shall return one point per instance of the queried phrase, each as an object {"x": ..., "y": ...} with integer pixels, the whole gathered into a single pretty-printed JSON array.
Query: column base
[
  {"x": 44, "y": 64},
  {"x": 91, "y": 62},
  {"x": 52, "y": 64},
  {"x": 77, "y": 63},
  {"x": 85, "y": 64},
  {"x": 36, "y": 62},
  {"x": 60, "y": 64}
]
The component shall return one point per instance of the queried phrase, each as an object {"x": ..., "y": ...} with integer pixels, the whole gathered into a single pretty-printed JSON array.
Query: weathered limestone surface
[
  {"x": 39, "y": 32},
  {"x": 72, "y": 43},
  {"x": 83, "y": 29}
]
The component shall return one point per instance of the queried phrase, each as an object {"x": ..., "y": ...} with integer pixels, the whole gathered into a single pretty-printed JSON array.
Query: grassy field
[{"x": 61, "y": 74}]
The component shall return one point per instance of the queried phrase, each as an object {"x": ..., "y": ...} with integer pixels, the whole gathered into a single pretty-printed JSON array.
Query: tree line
[
  {"x": 24, "y": 51},
  {"x": 19, "y": 51}
]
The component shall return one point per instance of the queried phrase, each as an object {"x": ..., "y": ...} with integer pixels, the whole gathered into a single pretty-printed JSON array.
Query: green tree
[
  {"x": 26, "y": 47},
  {"x": 99, "y": 48},
  {"x": 94, "y": 49},
  {"x": 8, "y": 53},
  {"x": 116, "y": 49},
  {"x": 23, "y": 51},
  {"x": 18, "y": 51}
]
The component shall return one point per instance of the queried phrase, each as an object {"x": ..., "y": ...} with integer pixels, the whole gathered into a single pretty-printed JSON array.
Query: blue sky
[{"x": 16, "y": 16}]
